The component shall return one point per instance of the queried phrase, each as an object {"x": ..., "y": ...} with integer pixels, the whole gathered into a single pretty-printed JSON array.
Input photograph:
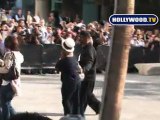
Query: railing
[
  {"x": 42, "y": 56},
  {"x": 136, "y": 55},
  {"x": 46, "y": 56}
]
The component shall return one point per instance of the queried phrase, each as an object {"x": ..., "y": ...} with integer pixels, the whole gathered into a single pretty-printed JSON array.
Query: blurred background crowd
[
  {"x": 35, "y": 30},
  {"x": 31, "y": 29}
]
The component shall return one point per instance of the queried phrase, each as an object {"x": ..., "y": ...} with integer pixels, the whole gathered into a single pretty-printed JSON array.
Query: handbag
[{"x": 13, "y": 73}]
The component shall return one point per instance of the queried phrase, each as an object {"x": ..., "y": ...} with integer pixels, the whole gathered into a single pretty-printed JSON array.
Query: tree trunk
[{"x": 118, "y": 62}]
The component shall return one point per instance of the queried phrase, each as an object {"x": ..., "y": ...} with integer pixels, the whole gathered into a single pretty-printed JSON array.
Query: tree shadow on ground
[
  {"x": 51, "y": 114},
  {"x": 61, "y": 114},
  {"x": 143, "y": 89}
]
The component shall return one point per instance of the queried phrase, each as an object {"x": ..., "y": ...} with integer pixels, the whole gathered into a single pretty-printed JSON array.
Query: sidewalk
[{"x": 41, "y": 93}]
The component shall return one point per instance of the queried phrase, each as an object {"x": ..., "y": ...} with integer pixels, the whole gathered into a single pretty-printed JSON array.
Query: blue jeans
[{"x": 7, "y": 95}]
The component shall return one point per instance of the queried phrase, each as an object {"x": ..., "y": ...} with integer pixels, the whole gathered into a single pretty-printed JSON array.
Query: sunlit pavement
[{"x": 41, "y": 93}]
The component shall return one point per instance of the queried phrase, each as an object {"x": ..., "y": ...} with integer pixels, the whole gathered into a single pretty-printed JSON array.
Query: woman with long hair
[{"x": 10, "y": 88}]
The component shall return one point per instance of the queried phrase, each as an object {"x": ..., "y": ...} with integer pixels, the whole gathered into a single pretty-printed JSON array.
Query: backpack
[{"x": 13, "y": 73}]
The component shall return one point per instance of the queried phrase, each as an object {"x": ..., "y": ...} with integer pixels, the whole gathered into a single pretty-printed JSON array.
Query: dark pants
[
  {"x": 87, "y": 97},
  {"x": 70, "y": 97},
  {"x": 7, "y": 95}
]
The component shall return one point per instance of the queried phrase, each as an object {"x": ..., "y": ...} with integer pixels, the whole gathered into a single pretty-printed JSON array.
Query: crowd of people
[
  {"x": 31, "y": 29},
  {"x": 18, "y": 29},
  {"x": 35, "y": 30},
  {"x": 148, "y": 39},
  {"x": 147, "y": 46}
]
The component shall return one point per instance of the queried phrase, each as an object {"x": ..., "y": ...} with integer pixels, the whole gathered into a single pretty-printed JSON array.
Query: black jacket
[
  {"x": 68, "y": 67},
  {"x": 88, "y": 62}
]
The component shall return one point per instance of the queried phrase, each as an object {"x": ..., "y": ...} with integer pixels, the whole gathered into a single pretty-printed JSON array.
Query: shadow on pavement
[
  {"x": 52, "y": 114},
  {"x": 143, "y": 89},
  {"x": 61, "y": 114}
]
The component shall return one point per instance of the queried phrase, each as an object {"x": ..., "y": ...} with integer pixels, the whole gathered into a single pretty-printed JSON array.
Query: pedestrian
[
  {"x": 68, "y": 66},
  {"x": 88, "y": 64},
  {"x": 10, "y": 88}
]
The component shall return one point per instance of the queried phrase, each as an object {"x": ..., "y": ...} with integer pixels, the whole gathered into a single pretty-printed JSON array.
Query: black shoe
[{"x": 97, "y": 112}]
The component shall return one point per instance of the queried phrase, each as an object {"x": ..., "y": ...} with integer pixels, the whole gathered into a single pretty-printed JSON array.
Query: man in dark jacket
[
  {"x": 68, "y": 67},
  {"x": 88, "y": 64}
]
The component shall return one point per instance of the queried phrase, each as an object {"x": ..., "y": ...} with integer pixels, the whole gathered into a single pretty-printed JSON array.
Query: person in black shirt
[
  {"x": 68, "y": 66},
  {"x": 88, "y": 64}
]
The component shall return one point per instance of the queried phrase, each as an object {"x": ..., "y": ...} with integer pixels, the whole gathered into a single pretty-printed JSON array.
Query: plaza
[{"x": 41, "y": 93}]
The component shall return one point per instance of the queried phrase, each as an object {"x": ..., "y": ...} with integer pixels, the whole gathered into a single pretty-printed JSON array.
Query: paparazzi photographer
[
  {"x": 21, "y": 34},
  {"x": 57, "y": 36}
]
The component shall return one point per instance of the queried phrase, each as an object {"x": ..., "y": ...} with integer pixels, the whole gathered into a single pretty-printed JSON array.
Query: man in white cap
[{"x": 68, "y": 66}]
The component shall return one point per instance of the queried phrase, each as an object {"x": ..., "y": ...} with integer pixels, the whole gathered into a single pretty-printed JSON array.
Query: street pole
[{"x": 116, "y": 69}]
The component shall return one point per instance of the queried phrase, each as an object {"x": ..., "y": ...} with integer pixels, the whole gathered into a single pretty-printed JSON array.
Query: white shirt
[
  {"x": 8, "y": 62},
  {"x": 137, "y": 43}
]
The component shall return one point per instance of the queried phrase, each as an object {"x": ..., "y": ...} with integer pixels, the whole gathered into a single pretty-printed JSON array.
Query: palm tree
[{"x": 117, "y": 67}]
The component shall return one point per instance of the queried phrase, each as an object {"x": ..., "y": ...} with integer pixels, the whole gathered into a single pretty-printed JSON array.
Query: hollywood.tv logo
[{"x": 134, "y": 19}]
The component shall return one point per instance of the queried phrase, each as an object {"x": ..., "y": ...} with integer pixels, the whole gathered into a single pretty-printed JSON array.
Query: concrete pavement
[
  {"x": 41, "y": 93},
  {"x": 142, "y": 98}
]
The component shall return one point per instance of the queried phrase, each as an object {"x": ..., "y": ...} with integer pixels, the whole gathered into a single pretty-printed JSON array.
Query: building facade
[{"x": 88, "y": 10}]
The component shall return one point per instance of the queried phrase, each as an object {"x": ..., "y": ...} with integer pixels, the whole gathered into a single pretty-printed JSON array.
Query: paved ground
[{"x": 41, "y": 93}]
